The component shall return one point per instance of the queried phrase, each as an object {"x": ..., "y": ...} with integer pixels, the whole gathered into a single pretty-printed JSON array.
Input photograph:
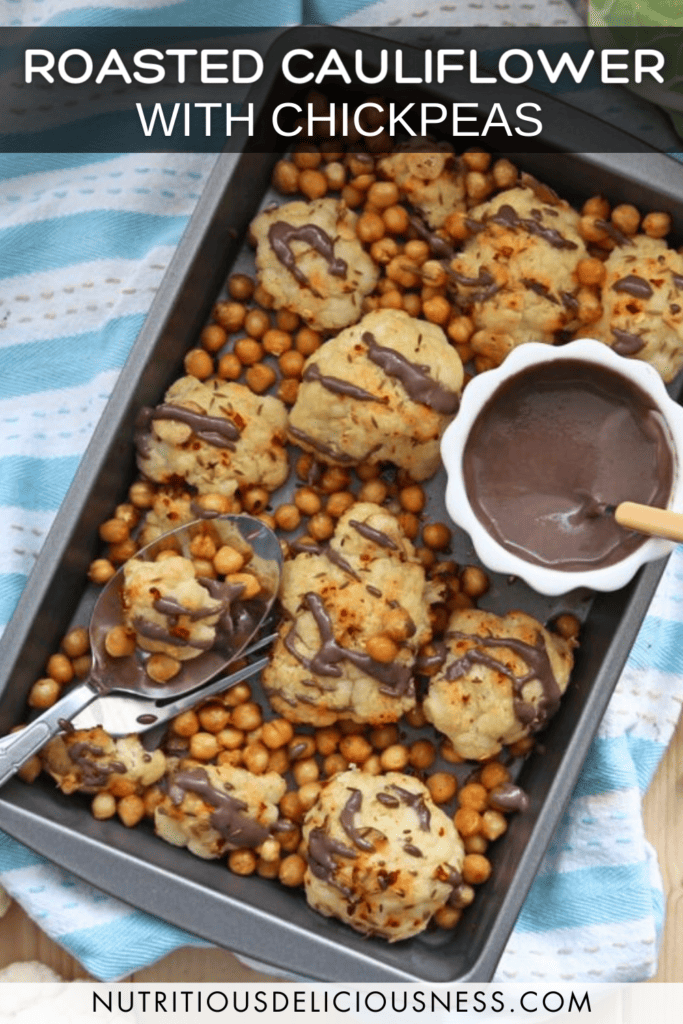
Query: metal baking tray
[{"x": 250, "y": 915}]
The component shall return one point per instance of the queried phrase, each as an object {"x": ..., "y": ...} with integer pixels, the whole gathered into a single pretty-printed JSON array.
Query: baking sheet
[{"x": 251, "y": 915}]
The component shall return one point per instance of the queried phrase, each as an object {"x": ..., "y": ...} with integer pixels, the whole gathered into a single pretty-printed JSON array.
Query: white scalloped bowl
[{"x": 493, "y": 555}]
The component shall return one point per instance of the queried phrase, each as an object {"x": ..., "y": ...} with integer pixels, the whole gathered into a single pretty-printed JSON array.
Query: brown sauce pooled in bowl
[{"x": 552, "y": 448}]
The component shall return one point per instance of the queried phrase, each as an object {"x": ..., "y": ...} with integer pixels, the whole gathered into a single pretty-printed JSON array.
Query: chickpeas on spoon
[{"x": 157, "y": 633}]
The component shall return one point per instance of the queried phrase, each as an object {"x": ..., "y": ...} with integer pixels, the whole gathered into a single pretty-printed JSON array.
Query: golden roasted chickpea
[
  {"x": 626, "y": 218},
  {"x": 120, "y": 553},
  {"x": 478, "y": 186},
  {"x": 327, "y": 740},
  {"x": 442, "y": 787},
  {"x": 473, "y": 581},
  {"x": 249, "y": 351},
  {"x": 412, "y": 498},
  {"x": 239, "y": 694},
  {"x": 287, "y": 517},
  {"x": 591, "y": 271},
  {"x": 306, "y": 155},
  {"x": 656, "y": 225},
  {"x": 568, "y": 626},
  {"x": 334, "y": 763},
  {"x": 381, "y": 648},
  {"x": 292, "y": 870},
  {"x": 307, "y": 341},
  {"x": 447, "y": 917},
  {"x": 229, "y": 315},
  {"x": 421, "y": 754},
  {"x": 474, "y": 796},
  {"x": 278, "y": 761},
  {"x": 467, "y": 821},
  {"x": 229, "y": 367},
  {"x": 475, "y": 869},
  {"x": 351, "y": 196},
  {"x": 288, "y": 389},
  {"x": 494, "y": 824},
  {"x": 321, "y": 526},
  {"x": 394, "y": 758},
  {"x": 114, "y": 531},
  {"x": 370, "y": 227},
  {"x": 384, "y": 250},
  {"x": 416, "y": 717},
  {"x": 305, "y": 770},
  {"x": 82, "y": 666},
  {"x": 403, "y": 271},
  {"x": 285, "y": 177},
  {"x": 249, "y": 583},
  {"x": 291, "y": 364},
  {"x": 449, "y": 754},
  {"x": 409, "y": 523},
  {"x": 437, "y": 310},
  {"x": 460, "y": 329},
  {"x": 596, "y": 206},
  {"x": 103, "y": 806},
  {"x": 355, "y": 749},
  {"x": 437, "y": 536},
  {"x": 256, "y": 757},
  {"x": 308, "y": 794},
  {"x": 383, "y": 194},
  {"x": 256, "y": 500},
  {"x": 475, "y": 844},
  {"x": 213, "y": 337},
  {"x": 494, "y": 774},
  {"x": 247, "y": 716},
  {"x": 590, "y": 229},
  {"x": 131, "y": 810},
  {"x": 228, "y": 560},
  {"x": 307, "y": 501},
  {"x": 213, "y": 717},
  {"x": 276, "y": 342},
  {"x": 504, "y": 174},
  {"x": 391, "y": 299},
  {"x": 242, "y": 862},
  {"x": 339, "y": 503},
  {"x": 230, "y": 738},
  {"x": 277, "y": 733},
  {"x": 456, "y": 226},
  {"x": 141, "y": 494},
  {"x": 384, "y": 736},
  {"x": 260, "y": 377},
  {"x": 202, "y": 546},
  {"x": 256, "y": 323},
  {"x": 313, "y": 184},
  {"x": 287, "y": 322},
  {"x": 185, "y": 724},
  {"x": 291, "y": 807},
  {"x": 301, "y": 746},
  {"x": 44, "y": 693},
  {"x": 162, "y": 667},
  {"x": 396, "y": 220},
  {"x": 198, "y": 363},
  {"x": 204, "y": 746},
  {"x": 335, "y": 173},
  {"x": 119, "y": 642},
  {"x": 240, "y": 287}
]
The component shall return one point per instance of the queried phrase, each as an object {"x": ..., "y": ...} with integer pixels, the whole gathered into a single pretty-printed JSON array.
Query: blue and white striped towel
[{"x": 84, "y": 242}]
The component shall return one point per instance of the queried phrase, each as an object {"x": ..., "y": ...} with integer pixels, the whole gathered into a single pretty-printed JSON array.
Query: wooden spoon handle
[{"x": 657, "y": 522}]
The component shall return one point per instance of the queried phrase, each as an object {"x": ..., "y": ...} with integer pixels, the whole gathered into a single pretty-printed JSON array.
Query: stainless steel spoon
[{"x": 127, "y": 675}]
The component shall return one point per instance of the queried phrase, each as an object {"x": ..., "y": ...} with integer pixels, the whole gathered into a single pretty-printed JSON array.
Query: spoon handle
[
  {"x": 657, "y": 522},
  {"x": 18, "y": 747}
]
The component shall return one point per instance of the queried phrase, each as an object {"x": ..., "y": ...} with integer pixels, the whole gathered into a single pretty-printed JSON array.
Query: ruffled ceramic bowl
[{"x": 542, "y": 578}]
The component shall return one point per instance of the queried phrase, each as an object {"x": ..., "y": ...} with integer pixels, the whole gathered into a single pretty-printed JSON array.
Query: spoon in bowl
[
  {"x": 656, "y": 522},
  {"x": 239, "y": 621}
]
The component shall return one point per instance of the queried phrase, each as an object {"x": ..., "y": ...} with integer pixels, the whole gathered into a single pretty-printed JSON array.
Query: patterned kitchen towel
[{"x": 84, "y": 242}]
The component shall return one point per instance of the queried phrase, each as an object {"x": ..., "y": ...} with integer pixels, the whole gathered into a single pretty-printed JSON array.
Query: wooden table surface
[{"x": 20, "y": 939}]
